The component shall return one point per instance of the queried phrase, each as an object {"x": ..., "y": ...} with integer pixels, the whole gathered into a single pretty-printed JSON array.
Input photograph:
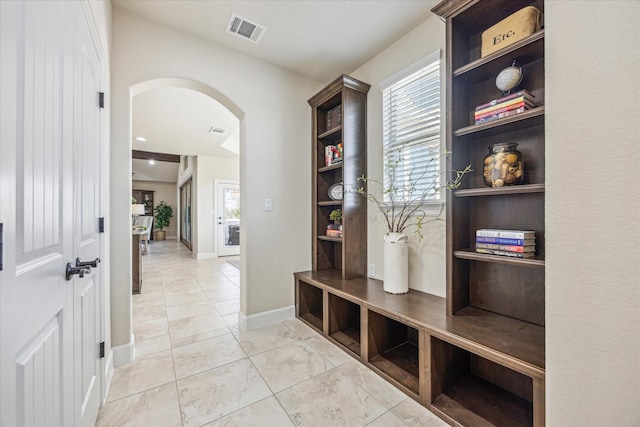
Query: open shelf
[
  {"x": 310, "y": 304},
  {"x": 532, "y": 117},
  {"x": 330, "y": 239},
  {"x": 535, "y": 262},
  {"x": 500, "y": 191},
  {"x": 526, "y": 50},
  {"x": 344, "y": 323},
  {"x": 330, "y": 167},
  {"x": 475, "y": 391},
  {"x": 330, "y": 203},
  {"x": 393, "y": 350}
]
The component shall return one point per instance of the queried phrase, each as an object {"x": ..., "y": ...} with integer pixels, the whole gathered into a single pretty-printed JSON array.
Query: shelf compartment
[
  {"x": 532, "y": 117},
  {"x": 331, "y": 133},
  {"x": 393, "y": 350},
  {"x": 470, "y": 254},
  {"x": 344, "y": 323},
  {"x": 500, "y": 191},
  {"x": 475, "y": 391},
  {"x": 310, "y": 305},
  {"x": 526, "y": 50}
]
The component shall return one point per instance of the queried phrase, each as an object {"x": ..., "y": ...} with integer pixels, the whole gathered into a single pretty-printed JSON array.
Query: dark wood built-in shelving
[
  {"x": 502, "y": 296},
  {"x": 476, "y": 357},
  {"x": 348, "y": 254}
]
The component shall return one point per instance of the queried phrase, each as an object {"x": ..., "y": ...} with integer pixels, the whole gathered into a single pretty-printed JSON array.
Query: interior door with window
[
  {"x": 228, "y": 218},
  {"x": 49, "y": 322}
]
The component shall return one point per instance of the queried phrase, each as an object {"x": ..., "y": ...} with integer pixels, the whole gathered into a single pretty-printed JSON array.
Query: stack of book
[
  {"x": 334, "y": 230},
  {"x": 333, "y": 154},
  {"x": 506, "y": 106},
  {"x": 513, "y": 243}
]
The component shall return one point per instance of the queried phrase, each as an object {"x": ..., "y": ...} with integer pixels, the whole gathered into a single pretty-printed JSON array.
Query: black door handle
[
  {"x": 93, "y": 263},
  {"x": 71, "y": 270}
]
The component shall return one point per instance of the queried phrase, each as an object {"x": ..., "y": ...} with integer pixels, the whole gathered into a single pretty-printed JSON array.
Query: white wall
[
  {"x": 427, "y": 261},
  {"x": 592, "y": 58},
  {"x": 162, "y": 191},
  {"x": 209, "y": 170},
  {"x": 275, "y": 130}
]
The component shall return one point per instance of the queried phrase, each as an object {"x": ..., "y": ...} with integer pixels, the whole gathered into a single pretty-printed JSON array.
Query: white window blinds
[{"x": 411, "y": 132}]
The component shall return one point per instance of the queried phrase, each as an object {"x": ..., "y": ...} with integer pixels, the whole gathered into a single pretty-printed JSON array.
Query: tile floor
[{"x": 194, "y": 367}]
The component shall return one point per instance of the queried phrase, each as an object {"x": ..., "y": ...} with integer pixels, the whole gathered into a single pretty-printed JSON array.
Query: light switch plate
[{"x": 268, "y": 204}]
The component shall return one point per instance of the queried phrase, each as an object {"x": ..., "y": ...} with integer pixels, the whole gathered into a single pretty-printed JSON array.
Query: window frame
[{"x": 430, "y": 207}]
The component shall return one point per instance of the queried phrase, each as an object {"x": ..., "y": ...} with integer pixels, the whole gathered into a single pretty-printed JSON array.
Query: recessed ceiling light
[
  {"x": 141, "y": 139},
  {"x": 152, "y": 162}
]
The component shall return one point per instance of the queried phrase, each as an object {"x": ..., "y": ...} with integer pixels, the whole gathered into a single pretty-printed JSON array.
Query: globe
[{"x": 509, "y": 78}]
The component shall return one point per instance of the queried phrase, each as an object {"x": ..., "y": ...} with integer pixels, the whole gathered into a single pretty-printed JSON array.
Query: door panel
[
  {"x": 87, "y": 163},
  {"x": 38, "y": 382},
  {"x": 49, "y": 162},
  {"x": 36, "y": 302}
]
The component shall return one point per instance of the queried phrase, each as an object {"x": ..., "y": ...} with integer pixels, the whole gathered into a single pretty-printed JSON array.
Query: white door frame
[{"x": 221, "y": 248}]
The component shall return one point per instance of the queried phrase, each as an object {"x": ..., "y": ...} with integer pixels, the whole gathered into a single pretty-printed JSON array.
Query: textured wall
[{"x": 592, "y": 213}]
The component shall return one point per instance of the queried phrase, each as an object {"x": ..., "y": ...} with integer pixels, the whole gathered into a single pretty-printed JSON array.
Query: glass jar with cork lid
[{"x": 503, "y": 165}]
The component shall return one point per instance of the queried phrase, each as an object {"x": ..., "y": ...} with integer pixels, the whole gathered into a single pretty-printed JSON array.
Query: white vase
[{"x": 396, "y": 263}]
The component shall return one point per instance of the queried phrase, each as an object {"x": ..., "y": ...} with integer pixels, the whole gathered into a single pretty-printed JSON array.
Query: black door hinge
[
  {"x": 101, "y": 224},
  {"x": 1, "y": 243},
  {"x": 101, "y": 99},
  {"x": 102, "y": 349}
]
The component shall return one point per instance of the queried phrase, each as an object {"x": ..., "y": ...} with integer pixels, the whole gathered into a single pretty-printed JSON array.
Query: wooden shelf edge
[
  {"x": 502, "y": 52},
  {"x": 533, "y": 113},
  {"x": 521, "y": 262},
  {"x": 330, "y": 167},
  {"x": 499, "y": 191},
  {"x": 330, "y": 132},
  {"x": 330, "y": 239},
  {"x": 330, "y": 203}
]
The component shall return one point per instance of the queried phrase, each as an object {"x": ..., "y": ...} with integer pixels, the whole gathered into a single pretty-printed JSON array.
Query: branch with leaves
[{"x": 401, "y": 203}]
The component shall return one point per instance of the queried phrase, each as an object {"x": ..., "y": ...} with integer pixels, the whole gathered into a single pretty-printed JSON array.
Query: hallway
[{"x": 194, "y": 367}]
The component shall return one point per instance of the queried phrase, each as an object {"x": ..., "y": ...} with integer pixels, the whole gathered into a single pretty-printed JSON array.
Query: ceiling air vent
[
  {"x": 216, "y": 130},
  {"x": 245, "y": 29}
]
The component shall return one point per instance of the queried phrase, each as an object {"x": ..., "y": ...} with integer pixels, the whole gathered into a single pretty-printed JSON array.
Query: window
[{"x": 411, "y": 132}]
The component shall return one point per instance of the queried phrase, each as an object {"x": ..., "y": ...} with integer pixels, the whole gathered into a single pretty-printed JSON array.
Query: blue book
[{"x": 505, "y": 241}]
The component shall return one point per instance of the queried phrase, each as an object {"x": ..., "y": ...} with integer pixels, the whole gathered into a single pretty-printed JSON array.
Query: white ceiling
[
  {"x": 160, "y": 171},
  {"x": 319, "y": 39}
]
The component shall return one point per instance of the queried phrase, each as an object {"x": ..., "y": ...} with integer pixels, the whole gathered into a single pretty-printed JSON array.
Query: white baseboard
[
  {"x": 206, "y": 255},
  {"x": 124, "y": 353},
  {"x": 265, "y": 318}
]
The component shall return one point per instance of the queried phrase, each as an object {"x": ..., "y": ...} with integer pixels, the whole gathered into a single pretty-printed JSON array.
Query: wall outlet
[{"x": 372, "y": 270}]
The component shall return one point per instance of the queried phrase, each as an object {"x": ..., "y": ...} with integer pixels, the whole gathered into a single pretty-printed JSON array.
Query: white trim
[
  {"x": 108, "y": 376},
  {"x": 427, "y": 60},
  {"x": 265, "y": 318},
  {"x": 124, "y": 353}
]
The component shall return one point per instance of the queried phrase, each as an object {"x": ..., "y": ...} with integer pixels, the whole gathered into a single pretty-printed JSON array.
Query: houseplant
[
  {"x": 163, "y": 215},
  {"x": 336, "y": 216},
  {"x": 402, "y": 205}
]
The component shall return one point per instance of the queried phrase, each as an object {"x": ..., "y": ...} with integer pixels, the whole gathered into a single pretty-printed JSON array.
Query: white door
[
  {"x": 87, "y": 303},
  {"x": 42, "y": 211},
  {"x": 228, "y": 218}
]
